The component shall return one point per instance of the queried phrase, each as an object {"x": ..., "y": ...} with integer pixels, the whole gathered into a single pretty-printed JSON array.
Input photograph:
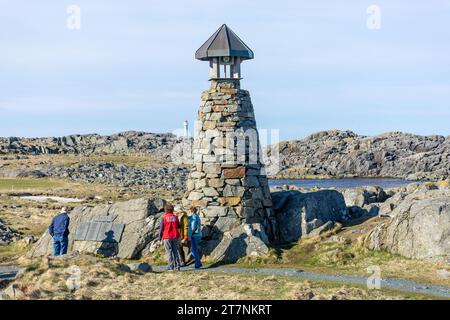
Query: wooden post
[
  {"x": 214, "y": 68},
  {"x": 236, "y": 68}
]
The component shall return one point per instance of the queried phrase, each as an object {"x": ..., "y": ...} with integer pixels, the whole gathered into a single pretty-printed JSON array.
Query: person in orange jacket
[{"x": 184, "y": 240}]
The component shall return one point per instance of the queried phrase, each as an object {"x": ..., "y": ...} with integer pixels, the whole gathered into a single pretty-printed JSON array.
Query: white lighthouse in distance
[{"x": 186, "y": 128}]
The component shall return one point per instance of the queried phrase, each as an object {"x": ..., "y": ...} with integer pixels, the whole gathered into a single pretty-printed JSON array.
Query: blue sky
[{"x": 131, "y": 65}]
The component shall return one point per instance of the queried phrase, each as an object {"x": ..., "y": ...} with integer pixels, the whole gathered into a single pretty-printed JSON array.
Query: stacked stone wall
[{"x": 227, "y": 180}]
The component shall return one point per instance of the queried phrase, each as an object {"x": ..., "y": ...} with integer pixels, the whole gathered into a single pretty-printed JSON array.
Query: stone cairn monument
[{"x": 227, "y": 181}]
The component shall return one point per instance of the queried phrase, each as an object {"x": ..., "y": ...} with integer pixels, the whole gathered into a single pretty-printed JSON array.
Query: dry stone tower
[{"x": 228, "y": 180}]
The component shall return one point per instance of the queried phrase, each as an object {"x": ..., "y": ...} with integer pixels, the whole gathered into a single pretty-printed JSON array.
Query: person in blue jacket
[
  {"x": 195, "y": 235},
  {"x": 59, "y": 230}
]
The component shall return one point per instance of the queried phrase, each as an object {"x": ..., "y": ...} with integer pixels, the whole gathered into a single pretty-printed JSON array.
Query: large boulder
[
  {"x": 245, "y": 240},
  {"x": 136, "y": 223},
  {"x": 404, "y": 196},
  {"x": 387, "y": 208},
  {"x": 364, "y": 195},
  {"x": 299, "y": 214},
  {"x": 420, "y": 227}
]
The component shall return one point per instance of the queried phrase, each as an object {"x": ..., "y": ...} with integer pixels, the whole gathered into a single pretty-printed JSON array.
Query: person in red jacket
[{"x": 169, "y": 233}]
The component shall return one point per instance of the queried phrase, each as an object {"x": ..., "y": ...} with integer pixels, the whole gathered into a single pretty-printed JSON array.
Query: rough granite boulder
[
  {"x": 364, "y": 195},
  {"x": 246, "y": 240},
  {"x": 140, "y": 220},
  {"x": 387, "y": 208},
  {"x": 404, "y": 196},
  {"x": 419, "y": 229},
  {"x": 299, "y": 214}
]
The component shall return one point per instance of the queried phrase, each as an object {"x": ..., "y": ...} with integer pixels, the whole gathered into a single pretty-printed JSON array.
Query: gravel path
[{"x": 395, "y": 284}]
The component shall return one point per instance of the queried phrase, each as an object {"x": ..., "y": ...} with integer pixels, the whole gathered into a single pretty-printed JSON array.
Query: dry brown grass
[
  {"x": 66, "y": 188},
  {"x": 81, "y": 190},
  {"x": 27, "y": 217},
  {"x": 103, "y": 279},
  {"x": 30, "y": 218},
  {"x": 9, "y": 254},
  {"x": 338, "y": 251}
]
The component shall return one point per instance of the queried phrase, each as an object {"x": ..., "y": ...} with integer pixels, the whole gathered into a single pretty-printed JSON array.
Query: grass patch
[
  {"x": 80, "y": 190},
  {"x": 13, "y": 184},
  {"x": 12, "y": 252},
  {"x": 345, "y": 256},
  {"x": 340, "y": 252}
]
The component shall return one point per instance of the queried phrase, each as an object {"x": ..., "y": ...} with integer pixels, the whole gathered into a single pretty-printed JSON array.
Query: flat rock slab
[
  {"x": 9, "y": 272},
  {"x": 99, "y": 231},
  {"x": 105, "y": 218}
]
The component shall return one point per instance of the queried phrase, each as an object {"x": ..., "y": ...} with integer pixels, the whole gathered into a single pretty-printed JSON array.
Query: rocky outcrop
[
  {"x": 90, "y": 233},
  {"x": 364, "y": 195},
  {"x": 404, "y": 196},
  {"x": 331, "y": 153},
  {"x": 7, "y": 235},
  {"x": 346, "y": 154},
  {"x": 122, "y": 229},
  {"x": 244, "y": 240},
  {"x": 364, "y": 201},
  {"x": 172, "y": 178},
  {"x": 159, "y": 144},
  {"x": 299, "y": 215},
  {"x": 419, "y": 226},
  {"x": 167, "y": 178}
]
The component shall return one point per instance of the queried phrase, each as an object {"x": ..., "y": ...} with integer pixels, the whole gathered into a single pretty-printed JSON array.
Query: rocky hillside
[
  {"x": 160, "y": 144},
  {"x": 324, "y": 154},
  {"x": 168, "y": 178},
  {"x": 345, "y": 154}
]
